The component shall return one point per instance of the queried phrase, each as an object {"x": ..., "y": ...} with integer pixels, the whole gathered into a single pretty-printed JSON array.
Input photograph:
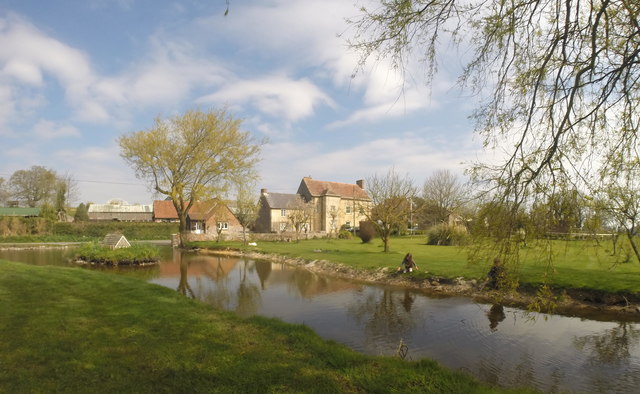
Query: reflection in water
[
  {"x": 550, "y": 353},
  {"x": 495, "y": 315}
]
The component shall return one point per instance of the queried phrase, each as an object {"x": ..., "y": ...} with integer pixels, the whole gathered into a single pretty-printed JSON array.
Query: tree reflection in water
[
  {"x": 183, "y": 284},
  {"x": 248, "y": 294},
  {"x": 611, "y": 346}
]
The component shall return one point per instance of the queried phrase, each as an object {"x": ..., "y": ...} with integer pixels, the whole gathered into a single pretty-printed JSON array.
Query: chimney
[
  {"x": 360, "y": 183},
  {"x": 263, "y": 192}
]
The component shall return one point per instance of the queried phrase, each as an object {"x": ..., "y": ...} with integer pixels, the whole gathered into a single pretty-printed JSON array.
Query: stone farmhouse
[{"x": 334, "y": 204}]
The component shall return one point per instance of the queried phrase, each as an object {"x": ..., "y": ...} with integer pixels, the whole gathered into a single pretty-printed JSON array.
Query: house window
[
  {"x": 223, "y": 226},
  {"x": 283, "y": 212},
  {"x": 348, "y": 209},
  {"x": 283, "y": 226}
]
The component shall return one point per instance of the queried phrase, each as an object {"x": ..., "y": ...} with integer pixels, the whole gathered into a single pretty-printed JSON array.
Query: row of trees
[{"x": 36, "y": 187}]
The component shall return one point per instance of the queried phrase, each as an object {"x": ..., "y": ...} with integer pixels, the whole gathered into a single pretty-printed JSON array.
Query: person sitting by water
[
  {"x": 495, "y": 274},
  {"x": 408, "y": 265}
]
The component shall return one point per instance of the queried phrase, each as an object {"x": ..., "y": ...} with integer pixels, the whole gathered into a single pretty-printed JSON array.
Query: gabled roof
[
  {"x": 280, "y": 200},
  {"x": 324, "y": 188}
]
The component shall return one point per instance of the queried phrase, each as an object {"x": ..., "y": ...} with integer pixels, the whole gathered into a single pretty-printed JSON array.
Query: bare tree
[
  {"x": 4, "y": 193},
  {"x": 390, "y": 199},
  {"x": 443, "y": 194},
  {"x": 299, "y": 215},
  {"x": 247, "y": 207}
]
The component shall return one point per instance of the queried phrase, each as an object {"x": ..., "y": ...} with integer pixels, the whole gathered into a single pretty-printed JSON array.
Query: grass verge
[{"x": 75, "y": 330}]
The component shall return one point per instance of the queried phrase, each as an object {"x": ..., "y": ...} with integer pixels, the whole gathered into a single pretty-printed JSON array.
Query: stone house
[
  {"x": 333, "y": 204},
  {"x": 336, "y": 204},
  {"x": 273, "y": 215}
]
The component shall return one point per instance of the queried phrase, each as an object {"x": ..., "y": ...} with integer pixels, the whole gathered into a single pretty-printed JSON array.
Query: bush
[
  {"x": 344, "y": 234},
  {"x": 444, "y": 234},
  {"x": 367, "y": 231}
]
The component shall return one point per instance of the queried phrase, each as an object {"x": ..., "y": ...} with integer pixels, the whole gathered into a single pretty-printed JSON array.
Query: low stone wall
[{"x": 287, "y": 236}]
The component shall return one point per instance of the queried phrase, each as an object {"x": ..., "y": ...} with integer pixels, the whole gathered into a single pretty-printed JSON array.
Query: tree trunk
[{"x": 633, "y": 245}]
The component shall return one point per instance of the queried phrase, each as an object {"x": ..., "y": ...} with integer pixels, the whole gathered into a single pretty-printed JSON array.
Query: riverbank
[
  {"x": 73, "y": 330},
  {"x": 592, "y": 304}
]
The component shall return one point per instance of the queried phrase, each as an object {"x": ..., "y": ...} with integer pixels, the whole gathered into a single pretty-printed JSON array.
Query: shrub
[
  {"x": 444, "y": 234},
  {"x": 344, "y": 234},
  {"x": 367, "y": 231}
]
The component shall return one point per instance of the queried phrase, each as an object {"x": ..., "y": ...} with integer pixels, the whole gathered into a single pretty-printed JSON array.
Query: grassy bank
[
  {"x": 76, "y": 330},
  {"x": 576, "y": 264}
]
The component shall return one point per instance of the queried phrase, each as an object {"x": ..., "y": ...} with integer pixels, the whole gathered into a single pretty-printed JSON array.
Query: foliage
[
  {"x": 82, "y": 213},
  {"x": 33, "y": 186},
  {"x": 345, "y": 234},
  {"x": 447, "y": 235},
  {"x": 192, "y": 157},
  {"x": 559, "y": 84},
  {"x": 13, "y": 229},
  {"x": 111, "y": 333},
  {"x": 390, "y": 198},
  {"x": 367, "y": 231},
  {"x": 135, "y": 254}
]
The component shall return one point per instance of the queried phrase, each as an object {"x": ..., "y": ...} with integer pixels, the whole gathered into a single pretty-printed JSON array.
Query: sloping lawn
[{"x": 76, "y": 330}]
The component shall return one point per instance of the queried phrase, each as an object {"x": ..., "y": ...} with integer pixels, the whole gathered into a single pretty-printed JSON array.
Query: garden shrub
[
  {"x": 344, "y": 234},
  {"x": 367, "y": 231},
  {"x": 444, "y": 234}
]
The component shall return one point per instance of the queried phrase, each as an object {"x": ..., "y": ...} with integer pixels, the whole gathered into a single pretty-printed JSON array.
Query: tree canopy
[
  {"x": 560, "y": 78},
  {"x": 192, "y": 157}
]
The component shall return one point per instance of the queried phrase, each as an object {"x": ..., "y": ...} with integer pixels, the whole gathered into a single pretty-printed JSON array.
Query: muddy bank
[{"x": 596, "y": 305}]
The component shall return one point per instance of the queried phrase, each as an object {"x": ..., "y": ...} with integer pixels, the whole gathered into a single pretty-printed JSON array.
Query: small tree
[
  {"x": 82, "y": 213},
  {"x": 443, "y": 194},
  {"x": 247, "y": 207},
  {"x": 390, "y": 196}
]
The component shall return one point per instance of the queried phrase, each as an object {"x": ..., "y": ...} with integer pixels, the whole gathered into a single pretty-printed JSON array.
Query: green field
[
  {"x": 75, "y": 330},
  {"x": 574, "y": 264}
]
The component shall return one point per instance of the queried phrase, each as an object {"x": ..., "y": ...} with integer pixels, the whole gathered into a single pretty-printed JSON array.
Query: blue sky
[{"x": 75, "y": 75}]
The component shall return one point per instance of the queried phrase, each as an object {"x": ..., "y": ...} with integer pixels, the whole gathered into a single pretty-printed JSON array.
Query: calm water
[{"x": 498, "y": 345}]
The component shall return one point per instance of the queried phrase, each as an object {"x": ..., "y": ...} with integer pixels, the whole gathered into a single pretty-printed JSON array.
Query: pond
[{"x": 499, "y": 345}]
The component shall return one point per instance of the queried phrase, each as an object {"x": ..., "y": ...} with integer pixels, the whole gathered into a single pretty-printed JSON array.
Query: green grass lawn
[
  {"x": 576, "y": 264},
  {"x": 76, "y": 330}
]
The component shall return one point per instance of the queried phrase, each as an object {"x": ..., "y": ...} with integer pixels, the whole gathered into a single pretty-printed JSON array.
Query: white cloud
[
  {"x": 277, "y": 96},
  {"x": 49, "y": 130}
]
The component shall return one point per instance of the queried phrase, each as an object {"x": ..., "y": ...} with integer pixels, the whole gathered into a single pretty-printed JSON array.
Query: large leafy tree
[
  {"x": 557, "y": 82},
  {"x": 34, "y": 186},
  {"x": 192, "y": 157}
]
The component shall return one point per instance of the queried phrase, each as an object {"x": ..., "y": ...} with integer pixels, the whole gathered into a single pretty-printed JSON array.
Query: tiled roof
[
  {"x": 280, "y": 200},
  {"x": 164, "y": 210},
  {"x": 344, "y": 190}
]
